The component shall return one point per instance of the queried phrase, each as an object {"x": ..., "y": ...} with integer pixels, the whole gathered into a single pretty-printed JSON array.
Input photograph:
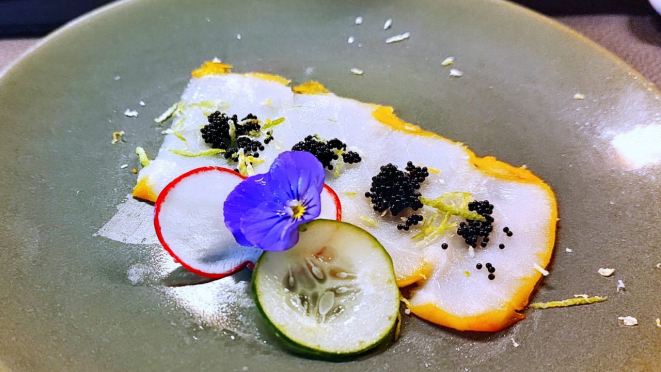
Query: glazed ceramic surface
[{"x": 75, "y": 302}]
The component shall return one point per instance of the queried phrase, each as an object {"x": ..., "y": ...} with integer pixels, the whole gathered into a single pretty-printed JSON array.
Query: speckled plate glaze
[{"x": 74, "y": 302}]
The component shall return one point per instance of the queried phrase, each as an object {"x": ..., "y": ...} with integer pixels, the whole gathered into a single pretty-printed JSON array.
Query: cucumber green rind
[{"x": 300, "y": 348}]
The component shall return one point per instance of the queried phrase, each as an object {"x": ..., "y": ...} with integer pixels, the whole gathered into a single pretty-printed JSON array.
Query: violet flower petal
[
  {"x": 269, "y": 228},
  {"x": 247, "y": 195},
  {"x": 295, "y": 172}
]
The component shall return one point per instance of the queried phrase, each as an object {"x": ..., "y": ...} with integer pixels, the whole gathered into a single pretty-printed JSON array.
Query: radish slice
[{"x": 189, "y": 222}]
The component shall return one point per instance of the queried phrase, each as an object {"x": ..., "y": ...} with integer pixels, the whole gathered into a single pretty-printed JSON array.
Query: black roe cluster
[
  {"x": 217, "y": 134},
  {"x": 474, "y": 231},
  {"x": 397, "y": 190},
  {"x": 413, "y": 219},
  {"x": 326, "y": 152}
]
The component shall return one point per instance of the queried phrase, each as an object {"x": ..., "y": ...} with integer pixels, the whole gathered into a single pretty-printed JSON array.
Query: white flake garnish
[
  {"x": 216, "y": 60},
  {"x": 143, "y": 104},
  {"x": 359, "y": 20},
  {"x": 360, "y": 45},
  {"x": 350, "y": 40},
  {"x": 448, "y": 61},
  {"x": 581, "y": 296},
  {"x": 387, "y": 24},
  {"x": 456, "y": 73},
  {"x": 167, "y": 131},
  {"x": 238, "y": 36},
  {"x": 569, "y": 250},
  {"x": 620, "y": 286},
  {"x": 123, "y": 166},
  {"x": 658, "y": 322},
  {"x": 605, "y": 272},
  {"x": 471, "y": 251},
  {"x": 309, "y": 70},
  {"x": 117, "y": 77},
  {"x": 396, "y": 38},
  {"x": 628, "y": 320},
  {"x": 131, "y": 113},
  {"x": 579, "y": 96},
  {"x": 356, "y": 71},
  {"x": 541, "y": 269},
  {"x": 208, "y": 19},
  {"x": 658, "y": 266},
  {"x": 407, "y": 311},
  {"x": 514, "y": 343}
]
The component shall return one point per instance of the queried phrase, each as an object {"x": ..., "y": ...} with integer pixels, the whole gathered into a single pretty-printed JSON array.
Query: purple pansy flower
[{"x": 265, "y": 210}]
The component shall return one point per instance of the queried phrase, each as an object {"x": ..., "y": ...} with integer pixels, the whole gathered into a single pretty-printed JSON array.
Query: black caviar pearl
[
  {"x": 478, "y": 266},
  {"x": 444, "y": 245},
  {"x": 509, "y": 233},
  {"x": 217, "y": 134},
  {"x": 506, "y": 229},
  {"x": 326, "y": 152},
  {"x": 473, "y": 230},
  {"x": 492, "y": 269},
  {"x": 501, "y": 246},
  {"x": 488, "y": 265},
  {"x": 396, "y": 190},
  {"x": 492, "y": 277}
]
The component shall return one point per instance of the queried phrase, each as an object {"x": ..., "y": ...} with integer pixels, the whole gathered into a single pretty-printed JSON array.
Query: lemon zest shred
[
  {"x": 398, "y": 329},
  {"x": 450, "y": 209},
  {"x": 272, "y": 123},
  {"x": 446, "y": 206},
  {"x": 568, "y": 302},
  {"x": 246, "y": 162},
  {"x": 350, "y": 194},
  {"x": 406, "y": 302},
  {"x": 204, "y": 104},
  {"x": 116, "y": 137},
  {"x": 167, "y": 114},
  {"x": 142, "y": 155},
  {"x": 199, "y": 153},
  {"x": 177, "y": 130},
  {"x": 369, "y": 221},
  {"x": 467, "y": 274},
  {"x": 434, "y": 170},
  {"x": 339, "y": 164}
]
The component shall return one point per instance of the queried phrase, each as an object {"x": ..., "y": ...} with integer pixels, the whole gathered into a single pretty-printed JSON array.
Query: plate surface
[{"x": 74, "y": 302}]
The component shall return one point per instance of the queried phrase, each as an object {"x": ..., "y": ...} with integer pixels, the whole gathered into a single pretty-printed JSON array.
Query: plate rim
[{"x": 514, "y": 7}]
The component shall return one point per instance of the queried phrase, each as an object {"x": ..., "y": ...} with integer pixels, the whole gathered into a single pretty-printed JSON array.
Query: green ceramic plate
[{"x": 74, "y": 302}]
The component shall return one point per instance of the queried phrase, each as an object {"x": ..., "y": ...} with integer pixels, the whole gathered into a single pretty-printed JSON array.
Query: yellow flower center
[{"x": 296, "y": 209}]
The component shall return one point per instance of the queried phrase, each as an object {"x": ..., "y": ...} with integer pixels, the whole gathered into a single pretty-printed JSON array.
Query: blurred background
[{"x": 629, "y": 28}]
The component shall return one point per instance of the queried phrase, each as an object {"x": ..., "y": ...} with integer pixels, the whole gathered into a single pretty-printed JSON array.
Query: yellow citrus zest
[
  {"x": 143, "y": 190},
  {"x": 269, "y": 77},
  {"x": 311, "y": 87},
  {"x": 211, "y": 68}
]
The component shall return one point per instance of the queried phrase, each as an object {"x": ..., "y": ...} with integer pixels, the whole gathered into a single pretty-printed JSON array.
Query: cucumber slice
[{"x": 333, "y": 294}]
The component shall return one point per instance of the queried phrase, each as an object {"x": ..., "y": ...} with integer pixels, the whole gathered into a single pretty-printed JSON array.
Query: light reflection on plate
[
  {"x": 225, "y": 304},
  {"x": 639, "y": 147}
]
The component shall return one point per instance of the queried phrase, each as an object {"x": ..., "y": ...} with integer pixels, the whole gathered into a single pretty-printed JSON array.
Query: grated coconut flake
[
  {"x": 397, "y": 38},
  {"x": 628, "y": 320},
  {"x": 606, "y": 272},
  {"x": 541, "y": 270},
  {"x": 447, "y": 62}
]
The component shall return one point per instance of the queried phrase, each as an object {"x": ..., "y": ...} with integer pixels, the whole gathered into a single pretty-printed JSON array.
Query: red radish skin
[{"x": 173, "y": 184}]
